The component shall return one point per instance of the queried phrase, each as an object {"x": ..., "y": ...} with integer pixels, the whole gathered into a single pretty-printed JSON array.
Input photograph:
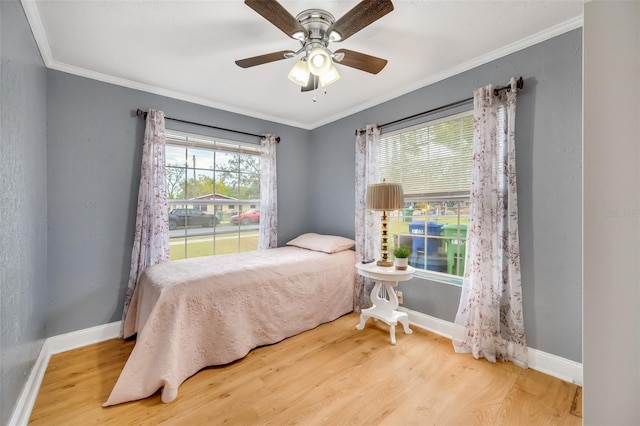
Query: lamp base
[{"x": 385, "y": 263}]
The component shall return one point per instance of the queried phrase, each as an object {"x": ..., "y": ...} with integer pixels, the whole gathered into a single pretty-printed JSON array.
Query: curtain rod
[
  {"x": 519, "y": 85},
  {"x": 140, "y": 112}
]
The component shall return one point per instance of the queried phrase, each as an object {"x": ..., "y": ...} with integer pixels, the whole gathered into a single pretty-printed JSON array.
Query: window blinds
[
  {"x": 431, "y": 159},
  {"x": 199, "y": 141}
]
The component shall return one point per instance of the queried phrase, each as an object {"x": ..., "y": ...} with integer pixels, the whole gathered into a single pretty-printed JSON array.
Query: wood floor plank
[
  {"x": 332, "y": 374},
  {"x": 576, "y": 406}
]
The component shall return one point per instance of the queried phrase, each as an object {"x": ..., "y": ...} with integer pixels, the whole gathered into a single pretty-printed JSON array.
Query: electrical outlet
[{"x": 400, "y": 298}]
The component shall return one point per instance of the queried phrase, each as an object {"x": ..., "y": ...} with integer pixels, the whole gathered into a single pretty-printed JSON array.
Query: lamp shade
[
  {"x": 299, "y": 74},
  {"x": 329, "y": 77},
  {"x": 319, "y": 61},
  {"x": 385, "y": 196}
]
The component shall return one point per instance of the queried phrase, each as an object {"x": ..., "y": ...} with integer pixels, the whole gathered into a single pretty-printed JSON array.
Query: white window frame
[
  {"x": 191, "y": 140},
  {"x": 457, "y": 196},
  {"x": 427, "y": 274}
]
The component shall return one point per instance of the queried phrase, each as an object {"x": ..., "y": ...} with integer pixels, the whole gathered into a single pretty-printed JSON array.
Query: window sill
[{"x": 438, "y": 277}]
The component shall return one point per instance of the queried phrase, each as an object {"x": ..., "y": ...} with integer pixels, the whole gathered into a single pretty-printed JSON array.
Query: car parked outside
[
  {"x": 191, "y": 217},
  {"x": 250, "y": 216}
]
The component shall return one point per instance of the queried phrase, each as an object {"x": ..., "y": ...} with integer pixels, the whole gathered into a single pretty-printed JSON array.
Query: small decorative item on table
[{"x": 401, "y": 254}]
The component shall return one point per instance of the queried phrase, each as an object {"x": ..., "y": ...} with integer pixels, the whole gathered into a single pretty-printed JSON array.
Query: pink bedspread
[{"x": 194, "y": 313}]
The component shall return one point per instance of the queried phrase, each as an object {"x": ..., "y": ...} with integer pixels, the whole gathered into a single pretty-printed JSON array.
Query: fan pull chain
[{"x": 324, "y": 90}]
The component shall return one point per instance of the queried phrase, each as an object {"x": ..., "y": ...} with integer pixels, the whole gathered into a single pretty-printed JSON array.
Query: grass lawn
[{"x": 204, "y": 246}]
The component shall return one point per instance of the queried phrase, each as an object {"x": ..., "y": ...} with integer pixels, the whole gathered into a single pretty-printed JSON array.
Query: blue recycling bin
[{"x": 417, "y": 229}]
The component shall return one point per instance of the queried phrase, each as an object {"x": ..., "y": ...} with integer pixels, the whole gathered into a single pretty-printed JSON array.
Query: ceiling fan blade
[
  {"x": 273, "y": 12},
  {"x": 363, "y": 14},
  {"x": 262, "y": 59},
  {"x": 312, "y": 85},
  {"x": 362, "y": 61}
]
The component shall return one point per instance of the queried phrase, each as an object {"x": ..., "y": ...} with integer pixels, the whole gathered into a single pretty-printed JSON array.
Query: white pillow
[{"x": 325, "y": 243}]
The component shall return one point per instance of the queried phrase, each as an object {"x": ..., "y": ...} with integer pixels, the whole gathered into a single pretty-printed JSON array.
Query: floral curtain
[
  {"x": 268, "y": 233},
  {"x": 367, "y": 223},
  {"x": 489, "y": 322},
  {"x": 151, "y": 243}
]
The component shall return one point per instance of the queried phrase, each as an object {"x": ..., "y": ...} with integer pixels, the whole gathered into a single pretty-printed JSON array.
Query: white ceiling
[{"x": 186, "y": 49}]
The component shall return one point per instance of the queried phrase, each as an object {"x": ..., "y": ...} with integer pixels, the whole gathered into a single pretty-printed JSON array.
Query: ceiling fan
[{"x": 315, "y": 29}]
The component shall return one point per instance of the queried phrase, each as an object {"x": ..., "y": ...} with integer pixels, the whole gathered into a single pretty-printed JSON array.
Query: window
[
  {"x": 210, "y": 183},
  {"x": 433, "y": 161}
]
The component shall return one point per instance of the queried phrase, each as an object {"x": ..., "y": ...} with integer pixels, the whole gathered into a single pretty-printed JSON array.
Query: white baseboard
[
  {"x": 54, "y": 345},
  {"x": 553, "y": 365},
  {"x": 88, "y": 336},
  {"x": 24, "y": 405}
]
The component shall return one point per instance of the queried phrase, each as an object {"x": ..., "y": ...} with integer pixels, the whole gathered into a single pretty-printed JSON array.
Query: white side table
[{"x": 384, "y": 298}]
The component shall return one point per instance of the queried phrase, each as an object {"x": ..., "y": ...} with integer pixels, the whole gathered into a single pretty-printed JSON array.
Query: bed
[{"x": 213, "y": 310}]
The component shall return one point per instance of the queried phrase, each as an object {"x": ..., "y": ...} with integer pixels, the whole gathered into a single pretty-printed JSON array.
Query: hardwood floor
[{"x": 330, "y": 375}]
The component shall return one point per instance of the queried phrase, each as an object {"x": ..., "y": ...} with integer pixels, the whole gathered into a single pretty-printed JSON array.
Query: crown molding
[
  {"x": 39, "y": 33},
  {"x": 135, "y": 85},
  {"x": 563, "y": 27}
]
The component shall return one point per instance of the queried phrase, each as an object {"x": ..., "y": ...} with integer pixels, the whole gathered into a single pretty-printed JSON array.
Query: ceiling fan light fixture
[
  {"x": 315, "y": 29},
  {"x": 329, "y": 77},
  {"x": 299, "y": 74},
  {"x": 319, "y": 61}
]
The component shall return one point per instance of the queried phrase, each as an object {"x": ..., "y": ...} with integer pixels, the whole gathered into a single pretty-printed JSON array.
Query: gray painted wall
[
  {"x": 548, "y": 139},
  {"x": 94, "y": 154},
  {"x": 23, "y": 206},
  {"x": 611, "y": 204}
]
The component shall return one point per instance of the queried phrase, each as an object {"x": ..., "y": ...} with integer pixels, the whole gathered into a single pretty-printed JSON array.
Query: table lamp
[{"x": 385, "y": 197}]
